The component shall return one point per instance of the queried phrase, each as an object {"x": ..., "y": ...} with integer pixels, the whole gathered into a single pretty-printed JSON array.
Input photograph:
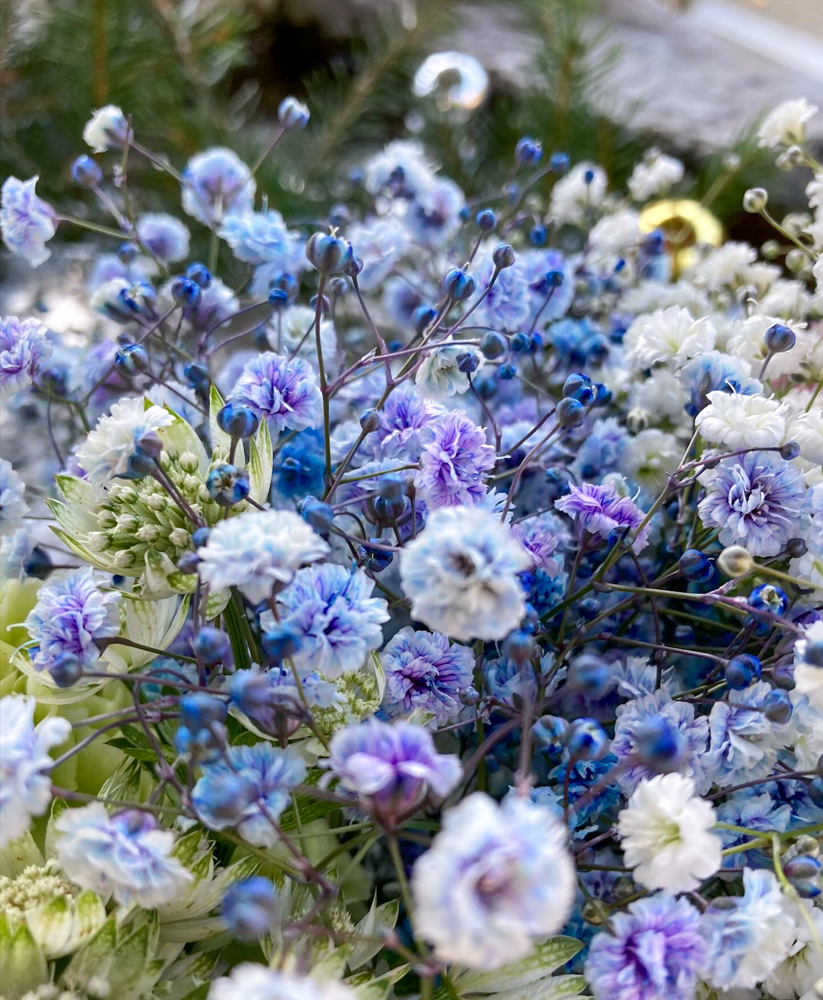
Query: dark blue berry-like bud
[
  {"x": 127, "y": 252},
  {"x": 527, "y": 152},
  {"x": 815, "y": 790},
  {"x": 199, "y": 710},
  {"x": 200, "y": 536},
  {"x": 588, "y": 177},
  {"x": 237, "y": 421},
  {"x": 132, "y": 359},
  {"x": 199, "y": 274},
  {"x": 211, "y": 645},
  {"x": 790, "y": 450},
  {"x": 813, "y": 652},
  {"x": 338, "y": 287},
  {"x": 316, "y": 513},
  {"x": 520, "y": 343},
  {"x": 458, "y": 284},
  {"x": 370, "y": 420},
  {"x": 538, "y": 235},
  {"x": 228, "y": 485},
  {"x": 519, "y": 646},
  {"x": 660, "y": 745},
  {"x": 139, "y": 466},
  {"x": 278, "y": 298},
  {"x": 589, "y": 608},
  {"x": 589, "y": 674},
  {"x": 485, "y": 220},
  {"x": 376, "y": 559},
  {"x": 695, "y": 565},
  {"x": 189, "y": 563},
  {"x": 777, "y": 707},
  {"x": 580, "y": 387},
  {"x": 604, "y": 395},
  {"x": 422, "y": 317},
  {"x": 85, "y": 172},
  {"x": 506, "y": 371},
  {"x": 742, "y": 671},
  {"x": 570, "y": 413},
  {"x": 38, "y": 564},
  {"x": 66, "y": 670},
  {"x": 493, "y": 345},
  {"x": 248, "y": 907},
  {"x": 329, "y": 254},
  {"x": 280, "y": 642},
  {"x": 554, "y": 279},
  {"x": 535, "y": 343},
  {"x": 185, "y": 292},
  {"x": 503, "y": 255},
  {"x": 586, "y": 740},
  {"x": 796, "y": 547},
  {"x": 768, "y": 597},
  {"x": 559, "y": 162},
  {"x": 197, "y": 375},
  {"x": 468, "y": 362},
  {"x": 389, "y": 509},
  {"x": 779, "y": 338},
  {"x": 292, "y": 114}
]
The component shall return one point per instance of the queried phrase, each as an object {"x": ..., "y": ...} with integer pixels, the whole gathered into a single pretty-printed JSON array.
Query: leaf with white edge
[
  {"x": 180, "y": 436},
  {"x": 541, "y": 962},
  {"x": 367, "y": 986},
  {"x": 550, "y": 988},
  {"x": 17, "y": 855},
  {"x": 97, "y": 559},
  {"x": 22, "y": 964},
  {"x": 380, "y": 674},
  {"x": 156, "y": 581},
  {"x": 219, "y": 439},
  {"x": 260, "y": 464},
  {"x": 216, "y": 603},
  {"x": 377, "y": 922},
  {"x": 187, "y": 931}
]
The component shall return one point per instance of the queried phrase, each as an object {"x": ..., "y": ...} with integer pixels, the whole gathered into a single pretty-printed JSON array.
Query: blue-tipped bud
[
  {"x": 779, "y": 338},
  {"x": 519, "y": 646},
  {"x": 197, "y": 375},
  {"x": 292, "y": 114},
  {"x": 127, "y": 252},
  {"x": 660, "y": 745},
  {"x": 538, "y": 235},
  {"x": 589, "y": 674},
  {"x": 815, "y": 790},
  {"x": 520, "y": 343},
  {"x": 211, "y": 645},
  {"x": 423, "y": 317},
  {"x": 66, "y": 670},
  {"x": 485, "y": 220},
  {"x": 768, "y": 597},
  {"x": 200, "y": 536},
  {"x": 789, "y": 450},
  {"x": 559, "y": 163},
  {"x": 527, "y": 152},
  {"x": 316, "y": 513},
  {"x": 281, "y": 641},
  {"x": 199, "y": 710},
  {"x": 570, "y": 413},
  {"x": 458, "y": 284},
  {"x": 580, "y": 387},
  {"x": 86, "y": 172},
  {"x": 237, "y": 421},
  {"x": 586, "y": 740},
  {"x": 777, "y": 707},
  {"x": 506, "y": 371},
  {"x": 185, "y": 292},
  {"x": 376, "y": 559},
  {"x": 493, "y": 345},
  {"x": 38, "y": 563},
  {"x": 329, "y": 254},
  {"x": 278, "y": 298},
  {"x": 131, "y": 359},
  {"x": 228, "y": 484},
  {"x": 370, "y": 420},
  {"x": 742, "y": 671},
  {"x": 468, "y": 362},
  {"x": 199, "y": 274},
  {"x": 503, "y": 255},
  {"x": 696, "y": 566},
  {"x": 248, "y": 908}
]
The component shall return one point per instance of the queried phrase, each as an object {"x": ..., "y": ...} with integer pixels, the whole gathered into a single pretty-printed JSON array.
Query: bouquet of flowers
[{"x": 423, "y": 600}]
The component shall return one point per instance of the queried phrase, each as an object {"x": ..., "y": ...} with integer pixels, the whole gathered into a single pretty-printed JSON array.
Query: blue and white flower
[
  {"x": 106, "y": 451},
  {"x": 425, "y": 671},
  {"x": 26, "y": 221}
]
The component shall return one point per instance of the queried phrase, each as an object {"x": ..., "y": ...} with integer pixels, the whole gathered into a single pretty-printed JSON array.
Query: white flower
[
  {"x": 12, "y": 503},
  {"x": 804, "y": 965},
  {"x": 806, "y": 430},
  {"x": 616, "y": 232},
  {"x": 807, "y": 732},
  {"x": 582, "y": 189},
  {"x": 814, "y": 190},
  {"x": 808, "y": 677},
  {"x": 817, "y": 271},
  {"x": 287, "y": 335},
  {"x": 666, "y": 833},
  {"x": 668, "y": 335},
  {"x": 785, "y": 124},
  {"x": 739, "y": 421},
  {"x": 649, "y": 457},
  {"x": 378, "y": 244},
  {"x": 256, "y": 550},
  {"x": 438, "y": 375},
  {"x": 164, "y": 235},
  {"x": 815, "y": 228},
  {"x": 106, "y": 129},
  {"x": 747, "y": 340},
  {"x": 654, "y": 175},
  {"x": 496, "y": 879},
  {"x": 106, "y": 451},
  {"x": 728, "y": 264},
  {"x": 257, "y": 982},
  {"x": 25, "y": 786},
  {"x": 461, "y": 574}
]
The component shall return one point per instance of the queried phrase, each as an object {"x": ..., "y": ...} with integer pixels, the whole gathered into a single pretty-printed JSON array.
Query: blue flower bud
[
  {"x": 768, "y": 597},
  {"x": 292, "y": 114},
  {"x": 328, "y": 254},
  {"x": 590, "y": 675},
  {"x": 199, "y": 710},
  {"x": 127, "y": 252},
  {"x": 550, "y": 730},
  {"x": 281, "y": 641},
  {"x": 237, "y": 421},
  {"x": 742, "y": 671},
  {"x": 586, "y": 740},
  {"x": 200, "y": 536},
  {"x": 139, "y": 466},
  {"x": 559, "y": 163},
  {"x": 131, "y": 359},
  {"x": 580, "y": 387},
  {"x": 554, "y": 279},
  {"x": 493, "y": 345},
  {"x": 660, "y": 745},
  {"x": 506, "y": 371},
  {"x": 603, "y": 395},
  {"x": 519, "y": 343},
  {"x": 353, "y": 266},
  {"x": 588, "y": 177},
  {"x": 229, "y": 795},
  {"x": 695, "y": 565},
  {"x": 485, "y": 220},
  {"x": 185, "y": 292},
  {"x": 316, "y": 513},
  {"x": 211, "y": 645},
  {"x": 325, "y": 305},
  {"x": 503, "y": 255},
  {"x": 66, "y": 670},
  {"x": 376, "y": 559},
  {"x": 807, "y": 890},
  {"x": 199, "y": 274},
  {"x": 38, "y": 564},
  {"x": 527, "y": 152},
  {"x": 248, "y": 907},
  {"x": 802, "y": 866},
  {"x": 458, "y": 284},
  {"x": 468, "y": 362},
  {"x": 790, "y": 450},
  {"x": 278, "y": 298},
  {"x": 338, "y": 287},
  {"x": 201, "y": 745},
  {"x": 228, "y": 484},
  {"x": 777, "y": 707},
  {"x": 86, "y": 172},
  {"x": 813, "y": 653},
  {"x": 519, "y": 646},
  {"x": 538, "y": 235},
  {"x": 815, "y": 790},
  {"x": 779, "y": 338},
  {"x": 589, "y": 607},
  {"x": 189, "y": 563},
  {"x": 570, "y": 413},
  {"x": 389, "y": 509},
  {"x": 422, "y": 317}
]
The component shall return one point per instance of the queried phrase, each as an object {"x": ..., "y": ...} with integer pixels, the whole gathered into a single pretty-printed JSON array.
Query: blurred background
[{"x": 600, "y": 79}]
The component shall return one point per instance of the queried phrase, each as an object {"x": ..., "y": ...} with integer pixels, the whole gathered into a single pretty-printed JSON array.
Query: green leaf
[
  {"x": 219, "y": 439},
  {"x": 377, "y": 921},
  {"x": 541, "y": 962},
  {"x": 23, "y": 966},
  {"x": 94, "y": 959},
  {"x": 260, "y": 464},
  {"x": 550, "y": 988}
]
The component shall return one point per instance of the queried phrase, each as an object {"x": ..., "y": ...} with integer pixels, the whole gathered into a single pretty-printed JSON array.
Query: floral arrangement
[{"x": 426, "y": 600}]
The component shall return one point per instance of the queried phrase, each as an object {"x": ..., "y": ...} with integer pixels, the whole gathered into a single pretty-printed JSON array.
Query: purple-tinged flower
[
  {"x": 379, "y": 244},
  {"x": 424, "y": 670},
  {"x": 261, "y": 238},
  {"x": 653, "y": 950},
  {"x": 536, "y": 266},
  {"x": 334, "y": 615},
  {"x": 715, "y": 371},
  {"x": 600, "y": 450},
  {"x": 283, "y": 391},
  {"x": 434, "y": 214},
  {"x": 24, "y": 344},
  {"x": 402, "y": 421},
  {"x": 271, "y": 700},
  {"x": 108, "y": 266},
  {"x": 506, "y": 304},
  {"x": 217, "y": 184},
  {"x": 391, "y": 767},
  {"x": 25, "y": 786},
  {"x": 164, "y": 235},
  {"x": 757, "y": 500},
  {"x": 453, "y": 462},
  {"x": 26, "y": 221},
  {"x": 12, "y": 503},
  {"x": 540, "y": 537},
  {"x": 71, "y": 614},
  {"x": 247, "y": 789},
  {"x": 126, "y": 855},
  {"x": 600, "y": 511}
]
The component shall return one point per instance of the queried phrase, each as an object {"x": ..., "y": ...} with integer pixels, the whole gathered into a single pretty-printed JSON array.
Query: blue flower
[
  {"x": 70, "y": 616},
  {"x": 283, "y": 391},
  {"x": 164, "y": 235},
  {"x": 424, "y": 670},
  {"x": 506, "y": 305},
  {"x": 302, "y": 465},
  {"x": 262, "y": 238},
  {"x": 453, "y": 463},
  {"x": 26, "y": 221},
  {"x": 336, "y": 617},
  {"x": 756, "y": 811},
  {"x": 271, "y": 700},
  {"x": 434, "y": 214},
  {"x": 216, "y": 183},
  {"x": 653, "y": 950},
  {"x": 12, "y": 499},
  {"x": 757, "y": 500},
  {"x": 577, "y": 342},
  {"x": 583, "y": 774},
  {"x": 600, "y": 450},
  {"x": 404, "y": 417},
  {"x": 536, "y": 266},
  {"x": 261, "y": 778},
  {"x": 24, "y": 345},
  {"x": 714, "y": 371}
]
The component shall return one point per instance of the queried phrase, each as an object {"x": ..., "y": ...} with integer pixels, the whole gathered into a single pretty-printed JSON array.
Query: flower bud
[
  {"x": 316, "y": 513},
  {"x": 86, "y": 172},
  {"x": 199, "y": 274},
  {"x": 248, "y": 907},
  {"x": 755, "y": 200},
  {"x": 570, "y": 413},
  {"x": 280, "y": 642},
  {"x": 228, "y": 484},
  {"x": 503, "y": 255},
  {"x": 370, "y": 420},
  {"x": 779, "y": 338},
  {"x": 237, "y": 421},
  {"x": 735, "y": 561},
  {"x": 485, "y": 220},
  {"x": 586, "y": 740},
  {"x": 458, "y": 284},
  {"x": 527, "y": 152},
  {"x": 493, "y": 345},
  {"x": 742, "y": 671},
  {"x": 66, "y": 670},
  {"x": 131, "y": 359},
  {"x": 292, "y": 114},
  {"x": 211, "y": 645},
  {"x": 186, "y": 292},
  {"x": 329, "y": 254}
]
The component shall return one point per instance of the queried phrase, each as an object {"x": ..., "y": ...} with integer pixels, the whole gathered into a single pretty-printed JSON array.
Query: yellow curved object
[{"x": 685, "y": 224}]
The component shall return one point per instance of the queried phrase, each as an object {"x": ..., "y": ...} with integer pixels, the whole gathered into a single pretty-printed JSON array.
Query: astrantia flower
[
  {"x": 740, "y": 421},
  {"x": 257, "y": 550},
  {"x": 216, "y": 184},
  {"x": 425, "y": 671},
  {"x": 599, "y": 510},
  {"x": 654, "y": 175},
  {"x": 715, "y": 371},
  {"x": 378, "y": 244},
  {"x": 453, "y": 462},
  {"x": 26, "y": 221},
  {"x": 164, "y": 235},
  {"x": 651, "y": 951},
  {"x": 391, "y": 767},
  {"x": 808, "y": 677},
  {"x": 126, "y": 855},
  {"x": 749, "y": 936},
  {"x": 106, "y": 129},
  {"x": 575, "y": 195},
  {"x": 261, "y": 238},
  {"x": 496, "y": 879},
  {"x": 757, "y": 500},
  {"x": 786, "y": 124},
  {"x": 71, "y": 614},
  {"x": 439, "y": 376},
  {"x": 12, "y": 503},
  {"x": 461, "y": 574},
  {"x": 335, "y": 616},
  {"x": 230, "y": 791},
  {"x": 285, "y": 392},
  {"x": 668, "y": 336},
  {"x": 25, "y": 785},
  {"x": 106, "y": 451},
  {"x": 24, "y": 345},
  {"x": 258, "y": 982},
  {"x": 666, "y": 835}
]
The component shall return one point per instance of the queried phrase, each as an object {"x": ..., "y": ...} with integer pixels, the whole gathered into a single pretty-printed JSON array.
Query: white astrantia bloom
[
  {"x": 25, "y": 785},
  {"x": 785, "y": 125},
  {"x": 439, "y": 376},
  {"x": 666, "y": 835},
  {"x": 258, "y": 982},
  {"x": 669, "y": 336},
  {"x": 582, "y": 189},
  {"x": 808, "y": 677},
  {"x": 496, "y": 879},
  {"x": 654, "y": 175},
  {"x": 256, "y": 550},
  {"x": 106, "y": 129},
  {"x": 106, "y": 451},
  {"x": 461, "y": 574},
  {"x": 739, "y": 421}
]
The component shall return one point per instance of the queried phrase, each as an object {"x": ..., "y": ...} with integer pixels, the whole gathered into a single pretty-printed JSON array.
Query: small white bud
[
  {"x": 735, "y": 561},
  {"x": 755, "y": 200}
]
